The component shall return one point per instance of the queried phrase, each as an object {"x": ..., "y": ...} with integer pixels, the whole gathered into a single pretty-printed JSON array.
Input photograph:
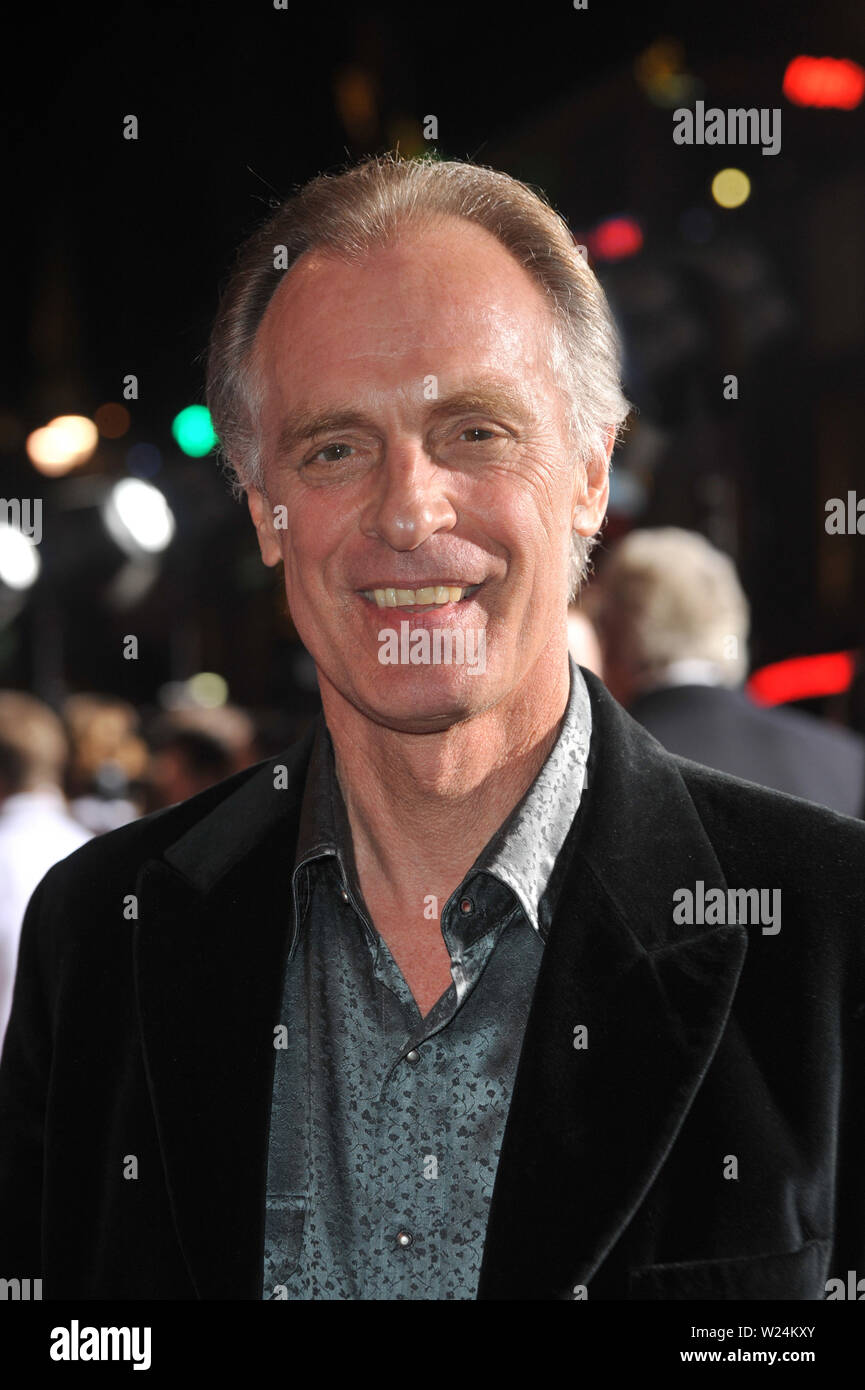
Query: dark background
[{"x": 115, "y": 251}]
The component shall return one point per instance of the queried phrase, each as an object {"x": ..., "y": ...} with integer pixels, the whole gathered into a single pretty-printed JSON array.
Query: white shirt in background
[{"x": 35, "y": 831}]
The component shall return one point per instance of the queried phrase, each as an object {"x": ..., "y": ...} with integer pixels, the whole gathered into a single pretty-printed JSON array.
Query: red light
[
  {"x": 802, "y": 678},
  {"x": 837, "y": 82},
  {"x": 615, "y": 239}
]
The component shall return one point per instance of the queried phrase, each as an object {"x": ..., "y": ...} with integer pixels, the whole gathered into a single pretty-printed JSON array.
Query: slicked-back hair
[{"x": 367, "y": 206}]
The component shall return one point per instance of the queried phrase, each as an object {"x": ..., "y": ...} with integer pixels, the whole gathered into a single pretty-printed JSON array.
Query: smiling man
[
  {"x": 413, "y": 440},
  {"x": 408, "y": 1012}
]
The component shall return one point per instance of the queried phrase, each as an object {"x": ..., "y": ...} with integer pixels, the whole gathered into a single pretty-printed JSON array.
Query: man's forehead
[{"x": 426, "y": 281}]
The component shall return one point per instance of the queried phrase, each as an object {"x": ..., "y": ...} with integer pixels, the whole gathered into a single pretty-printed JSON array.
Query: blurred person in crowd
[
  {"x": 417, "y": 1009},
  {"x": 193, "y": 748},
  {"x": 583, "y": 643},
  {"x": 35, "y": 827},
  {"x": 108, "y": 761},
  {"x": 673, "y": 622}
]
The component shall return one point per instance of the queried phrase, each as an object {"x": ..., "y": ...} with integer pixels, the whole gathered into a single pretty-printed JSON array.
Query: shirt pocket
[
  {"x": 284, "y": 1221},
  {"x": 796, "y": 1274}
]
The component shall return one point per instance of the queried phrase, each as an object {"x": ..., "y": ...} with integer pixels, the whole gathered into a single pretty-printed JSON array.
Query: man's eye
[
  {"x": 329, "y": 449},
  {"x": 477, "y": 429}
]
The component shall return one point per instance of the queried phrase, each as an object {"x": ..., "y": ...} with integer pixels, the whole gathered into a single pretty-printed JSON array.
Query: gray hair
[
  {"x": 364, "y": 207},
  {"x": 666, "y": 595}
]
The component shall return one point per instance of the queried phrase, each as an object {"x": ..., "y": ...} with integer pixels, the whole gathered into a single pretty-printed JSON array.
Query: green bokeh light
[{"x": 193, "y": 430}]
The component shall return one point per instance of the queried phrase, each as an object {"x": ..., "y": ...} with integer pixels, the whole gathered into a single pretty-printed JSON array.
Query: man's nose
[{"x": 409, "y": 500}]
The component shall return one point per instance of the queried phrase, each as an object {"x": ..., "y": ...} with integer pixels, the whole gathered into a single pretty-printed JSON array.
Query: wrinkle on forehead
[{"x": 422, "y": 293}]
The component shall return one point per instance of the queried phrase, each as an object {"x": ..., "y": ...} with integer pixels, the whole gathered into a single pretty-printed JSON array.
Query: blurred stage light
[
  {"x": 615, "y": 239},
  {"x": 354, "y": 92},
  {"x": 144, "y": 460},
  {"x": 660, "y": 71},
  {"x": 112, "y": 420},
  {"x": 193, "y": 430},
  {"x": 208, "y": 689},
  {"x": 138, "y": 517},
  {"x": 731, "y": 188},
  {"x": 697, "y": 225},
  {"x": 824, "y": 82},
  {"x": 62, "y": 445},
  {"x": 802, "y": 678},
  {"x": 19, "y": 558}
]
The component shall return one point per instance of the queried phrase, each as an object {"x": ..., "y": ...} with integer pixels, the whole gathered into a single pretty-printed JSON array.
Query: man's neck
[{"x": 422, "y": 807}]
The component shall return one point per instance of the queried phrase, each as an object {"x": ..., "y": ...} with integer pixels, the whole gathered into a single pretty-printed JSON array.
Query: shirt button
[
  {"x": 413, "y": 1056},
  {"x": 404, "y": 1239},
  {"x": 343, "y": 895},
  {"x": 466, "y": 905}
]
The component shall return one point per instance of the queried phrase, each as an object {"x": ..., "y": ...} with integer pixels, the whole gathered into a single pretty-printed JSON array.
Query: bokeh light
[
  {"x": 208, "y": 689},
  {"x": 143, "y": 460},
  {"x": 193, "y": 430},
  {"x": 824, "y": 82},
  {"x": 62, "y": 445},
  {"x": 112, "y": 420},
  {"x": 731, "y": 188},
  {"x": 138, "y": 517},
  {"x": 615, "y": 239},
  {"x": 19, "y": 559}
]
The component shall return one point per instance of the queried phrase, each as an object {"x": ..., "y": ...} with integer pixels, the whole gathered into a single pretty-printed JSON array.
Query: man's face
[{"x": 413, "y": 439}]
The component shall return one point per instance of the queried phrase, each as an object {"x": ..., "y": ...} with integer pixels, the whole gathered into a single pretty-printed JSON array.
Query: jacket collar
[{"x": 587, "y": 1129}]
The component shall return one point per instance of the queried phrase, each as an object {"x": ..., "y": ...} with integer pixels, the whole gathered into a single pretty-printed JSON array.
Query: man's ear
[
  {"x": 262, "y": 516},
  {"x": 592, "y": 494}
]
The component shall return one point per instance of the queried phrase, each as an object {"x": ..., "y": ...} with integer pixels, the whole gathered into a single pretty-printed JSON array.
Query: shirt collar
[
  {"x": 685, "y": 672},
  {"x": 522, "y": 852}
]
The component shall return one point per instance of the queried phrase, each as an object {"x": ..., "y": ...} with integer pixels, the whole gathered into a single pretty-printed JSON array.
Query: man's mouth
[{"x": 430, "y": 596}]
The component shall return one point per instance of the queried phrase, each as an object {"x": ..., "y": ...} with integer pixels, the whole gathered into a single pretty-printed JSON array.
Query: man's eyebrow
[
  {"x": 492, "y": 398},
  {"x": 301, "y": 424}
]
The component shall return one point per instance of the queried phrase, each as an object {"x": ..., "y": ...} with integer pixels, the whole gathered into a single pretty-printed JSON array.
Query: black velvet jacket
[{"x": 705, "y": 1142}]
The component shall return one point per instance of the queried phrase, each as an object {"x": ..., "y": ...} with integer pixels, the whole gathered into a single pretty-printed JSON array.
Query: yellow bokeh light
[
  {"x": 62, "y": 444},
  {"x": 208, "y": 689},
  {"x": 731, "y": 188}
]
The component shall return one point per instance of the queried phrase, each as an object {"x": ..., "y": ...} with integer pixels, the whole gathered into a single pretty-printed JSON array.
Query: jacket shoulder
[
  {"x": 768, "y": 829},
  {"x": 111, "y": 860}
]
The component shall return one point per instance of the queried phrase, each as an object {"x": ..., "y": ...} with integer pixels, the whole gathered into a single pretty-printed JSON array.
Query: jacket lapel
[
  {"x": 214, "y": 918},
  {"x": 589, "y": 1128}
]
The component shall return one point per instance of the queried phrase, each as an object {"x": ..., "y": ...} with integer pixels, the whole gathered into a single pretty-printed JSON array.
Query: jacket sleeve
[{"x": 25, "y": 1069}]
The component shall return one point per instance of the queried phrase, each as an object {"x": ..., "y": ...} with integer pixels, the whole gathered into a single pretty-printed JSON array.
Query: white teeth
[{"x": 430, "y": 596}]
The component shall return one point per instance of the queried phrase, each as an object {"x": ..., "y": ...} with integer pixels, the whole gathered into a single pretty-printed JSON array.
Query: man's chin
[{"x": 424, "y": 701}]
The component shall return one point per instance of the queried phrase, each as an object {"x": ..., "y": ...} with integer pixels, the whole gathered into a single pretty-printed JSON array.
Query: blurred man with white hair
[{"x": 673, "y": 622}]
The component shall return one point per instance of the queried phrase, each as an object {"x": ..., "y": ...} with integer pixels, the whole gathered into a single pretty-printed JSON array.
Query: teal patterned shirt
[{"x": 386, "y": 1127}]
